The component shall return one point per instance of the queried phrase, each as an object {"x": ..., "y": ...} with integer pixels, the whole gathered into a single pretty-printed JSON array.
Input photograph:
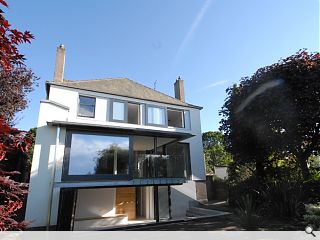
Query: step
[{"x": 197, "y": 211}]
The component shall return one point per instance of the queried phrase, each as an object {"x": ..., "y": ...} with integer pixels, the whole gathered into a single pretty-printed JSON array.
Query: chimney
[
  {"x": 179, "y": 89},
  {"x": 60, "y": 60}
]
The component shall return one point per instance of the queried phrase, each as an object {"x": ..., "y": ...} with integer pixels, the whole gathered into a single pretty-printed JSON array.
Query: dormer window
[
  {"x": 156, "y": 116},
  {"x": 175, "y": 118},
  {"x": 86, "y": 106},
  {"x": 118, "y": 111},
  {"x": 127, "y": 112}
]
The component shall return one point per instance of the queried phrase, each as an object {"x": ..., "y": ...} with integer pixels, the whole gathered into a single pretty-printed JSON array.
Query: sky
[{"x": 211, "y": 44}]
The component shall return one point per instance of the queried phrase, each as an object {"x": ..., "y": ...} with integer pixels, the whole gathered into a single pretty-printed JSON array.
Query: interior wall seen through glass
[
  {"x": 175, "y": 118},
  {"x": 133, "y": 113}
]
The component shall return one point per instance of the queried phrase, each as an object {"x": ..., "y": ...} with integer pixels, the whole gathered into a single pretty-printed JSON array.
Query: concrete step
[
  {"x": 197, "y": 211},
  {"x": 220, "y": 206}
]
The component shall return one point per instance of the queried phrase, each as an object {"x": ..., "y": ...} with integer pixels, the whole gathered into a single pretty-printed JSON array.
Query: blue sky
[{"x": 211, "y": 44}]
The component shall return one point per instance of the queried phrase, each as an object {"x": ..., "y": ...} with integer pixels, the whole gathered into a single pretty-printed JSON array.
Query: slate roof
[{"x": 122, "y": 87}]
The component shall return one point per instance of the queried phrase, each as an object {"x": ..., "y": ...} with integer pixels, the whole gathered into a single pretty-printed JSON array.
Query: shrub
[
  {"x": 312, "y": 215},
  {"x": 283, "y": 199},
  {"x": 247, "y": 213}
]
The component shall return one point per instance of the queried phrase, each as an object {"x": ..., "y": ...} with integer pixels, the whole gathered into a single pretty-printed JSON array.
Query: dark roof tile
[{"x": 123, "y": 87}]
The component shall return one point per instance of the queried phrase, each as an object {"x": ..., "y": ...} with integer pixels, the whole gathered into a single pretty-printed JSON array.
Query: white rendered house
[{"x": 111, "y": 152}]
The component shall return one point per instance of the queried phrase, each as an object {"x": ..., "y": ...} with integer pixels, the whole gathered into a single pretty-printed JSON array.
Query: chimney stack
[
  {"x": 179, "y": 89},
  {"x": 60, "y": 60}
]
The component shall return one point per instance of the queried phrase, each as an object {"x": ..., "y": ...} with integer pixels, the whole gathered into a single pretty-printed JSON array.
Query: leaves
[
  {"x": 214, "y": 150},
  {"x": 10, "y": 39},
  {"x": 14, "y": 87},
  {"x": 275, "y": 113},
  {"x": 12, "y": 193}
]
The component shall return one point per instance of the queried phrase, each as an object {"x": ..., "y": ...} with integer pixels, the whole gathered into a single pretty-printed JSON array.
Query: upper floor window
[
  {"x": 133, "y": 113},
  {"x": 156, "y": 115},
  {"x": 118, "y": 111},
  {"x": 125, "y": 112},
  {"x": 86, "y": 106},
  {"x": 175, "y": 118}
]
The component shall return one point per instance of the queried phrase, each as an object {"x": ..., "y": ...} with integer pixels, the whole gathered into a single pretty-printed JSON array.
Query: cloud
[
  {"x": 193, "y": 28},
  {"x": 212, "y": 85}
]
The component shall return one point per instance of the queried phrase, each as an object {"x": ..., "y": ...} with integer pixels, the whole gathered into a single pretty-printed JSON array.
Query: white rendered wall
[
  {"x": 69, "y": 97},
  {"x": 182, "y": 197},
  {"x": 42, "y": 166},
  {"x": 196, "y": 147},
  {"x": 44, "y": 151}
]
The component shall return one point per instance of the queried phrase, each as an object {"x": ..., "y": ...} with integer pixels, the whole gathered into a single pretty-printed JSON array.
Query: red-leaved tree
[
  {"x": 12, "y": 193},
  {"x": 15, "y": 82},
  {"x": 10, "y": 39}
]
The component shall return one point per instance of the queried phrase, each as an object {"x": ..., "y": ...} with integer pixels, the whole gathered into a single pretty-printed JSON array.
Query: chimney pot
[
  {"x": 60, "y": 62},
  {"x": 179, "y": 89}
]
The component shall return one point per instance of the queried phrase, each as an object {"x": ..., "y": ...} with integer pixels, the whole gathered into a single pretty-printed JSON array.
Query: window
[
  {"x": 133, "y": 113},
  {"x": 86, "y": 106},
  {"x": 122, "y": 111},
  {"x": 118, "y": 111},
  {"x": 95, "y": 156},
  {"x": 156, "y": 116},
  {"x": 175, "y": 118}
]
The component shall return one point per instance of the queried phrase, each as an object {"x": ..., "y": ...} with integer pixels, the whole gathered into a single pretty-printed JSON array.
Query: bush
[
  {"x": 313, "y": 215},
  {"x": 283, "y": 199},
  {"x": 247, "y": 213}
]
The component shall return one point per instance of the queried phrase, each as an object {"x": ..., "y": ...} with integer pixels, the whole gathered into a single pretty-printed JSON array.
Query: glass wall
[
  {"x": 92, "y": 154},
  {"x": 155, "y": 158}
]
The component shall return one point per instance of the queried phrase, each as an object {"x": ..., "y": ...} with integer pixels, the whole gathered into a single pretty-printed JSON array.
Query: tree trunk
[
  {"x": 260, "y": 170},
  {"x": 302, "y": 159}
]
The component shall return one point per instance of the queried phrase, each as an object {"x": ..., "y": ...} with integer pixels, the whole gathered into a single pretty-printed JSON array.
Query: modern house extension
[{"x": 112, "y": 152}]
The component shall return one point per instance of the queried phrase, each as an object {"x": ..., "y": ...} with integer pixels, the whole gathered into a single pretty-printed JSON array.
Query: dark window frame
[
  {"x": 182, "y": 114},
  {"x": 126, "y": 103},
  {"x": 125, "y": 111},
  {"x": 79, "y": 104},
  {"x": 153, "y": 124},
  {"x": 98, "y": 177}
]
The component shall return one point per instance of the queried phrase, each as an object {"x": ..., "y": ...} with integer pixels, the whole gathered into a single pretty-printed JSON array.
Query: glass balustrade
[{"x": 158, "y": 166}]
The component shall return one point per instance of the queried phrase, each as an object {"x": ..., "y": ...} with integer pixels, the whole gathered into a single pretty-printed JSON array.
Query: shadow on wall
[
  {"x": 182, "y": 197},
  {"x": 217, "y": 189},
  {"x": 41, "y": 176}
]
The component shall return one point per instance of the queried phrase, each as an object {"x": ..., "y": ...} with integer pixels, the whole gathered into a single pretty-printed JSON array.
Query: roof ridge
[
  {"x": 125, "y": 78},
  {"x": 131, "y": 89},
  {"x": 158, "y": 91},
  {"x": 97, "y": 79}
]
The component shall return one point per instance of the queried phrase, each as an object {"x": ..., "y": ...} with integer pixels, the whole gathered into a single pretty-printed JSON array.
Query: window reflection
[{"x": 98, "y": 154}]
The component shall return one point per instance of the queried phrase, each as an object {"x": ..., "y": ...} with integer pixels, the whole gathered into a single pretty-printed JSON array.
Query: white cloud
[
  {"x": 193, "y": 28},
  {"x": 212, "y": 85}
]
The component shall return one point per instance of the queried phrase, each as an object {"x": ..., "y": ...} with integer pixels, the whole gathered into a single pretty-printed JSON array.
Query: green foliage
[
  {"x": 32, "y": 135},
  {"x": 312, "y": 215},
  {"x": 283, "y": 199},
  {"x": 247, "y": 213},
  {"x": 275, "y": 113},
  {"x": 214, "y": 150}
]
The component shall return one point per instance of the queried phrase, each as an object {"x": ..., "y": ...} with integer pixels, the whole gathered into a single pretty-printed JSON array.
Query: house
[{"x": 112, "y": 151}]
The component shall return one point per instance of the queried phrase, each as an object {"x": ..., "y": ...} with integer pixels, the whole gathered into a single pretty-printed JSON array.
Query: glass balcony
[{"x": 158, "y": 166}]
